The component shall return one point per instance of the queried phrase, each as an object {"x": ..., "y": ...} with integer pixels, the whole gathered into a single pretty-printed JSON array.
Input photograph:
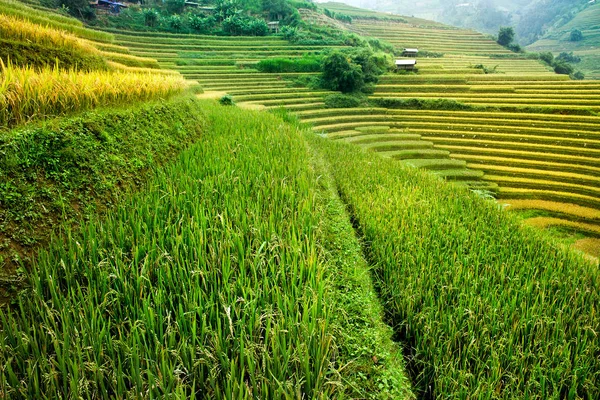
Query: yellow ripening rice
[
  {"x": 12, "y": 28},
  {"x": 26, "y": 93}
]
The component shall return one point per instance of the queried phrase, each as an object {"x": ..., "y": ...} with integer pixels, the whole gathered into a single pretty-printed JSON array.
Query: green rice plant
[
  {"x": 487, "y": 308},
  {"x": 233, "y": 274},
  {"x": 81, "y": 164}
]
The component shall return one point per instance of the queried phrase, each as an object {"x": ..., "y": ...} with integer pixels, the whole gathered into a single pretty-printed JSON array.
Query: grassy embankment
[{"x": 234, "y": 273}]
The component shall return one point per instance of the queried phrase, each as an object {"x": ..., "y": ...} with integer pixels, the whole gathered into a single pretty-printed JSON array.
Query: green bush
[
  {"x": 151, "y": 17},
  {"x": 342, "y": 101},
  {"x": 577, "y": 76},
  {"x": 341, "y": 74},
  {"x": 576, "y": 35},
  {"x": 200, "y": 24},
  {"x": 547, "y": 57},
  {"x": 506, "y": 36},
  {"x": 227, "y": 100},
  {"x": 562, "y": 67},
  {"x": 568, "y": 57},
  {"x": 175, "y": 22},
  {"x": 278, "y": 65},
  {"x": 422, "y": 104}
]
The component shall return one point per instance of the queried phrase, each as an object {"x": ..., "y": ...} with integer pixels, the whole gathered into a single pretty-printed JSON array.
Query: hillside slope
[{"x": 588, "y": 49}]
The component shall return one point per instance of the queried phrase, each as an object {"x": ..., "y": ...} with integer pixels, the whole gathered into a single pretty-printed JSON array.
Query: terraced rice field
[{"x": 517, "y": 145}]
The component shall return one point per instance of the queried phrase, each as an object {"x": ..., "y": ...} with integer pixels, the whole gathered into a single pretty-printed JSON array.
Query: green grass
[
  {"x": 233, "y": 274},
  {"x": 486, "y": 308},
  {"x": 65, "y": 169}
]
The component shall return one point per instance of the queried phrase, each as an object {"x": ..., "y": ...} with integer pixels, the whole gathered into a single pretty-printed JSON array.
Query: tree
[
  {"x": 506, "y": 36},
  {"x": 77, "y": 8},
  {"x": 576, "y": 35},
  {"x": 340, "y": 74},
  {"x": 150, "y": 17},
  {"x": 563, "y": 68},
  {"x": 547, "y": 57}
]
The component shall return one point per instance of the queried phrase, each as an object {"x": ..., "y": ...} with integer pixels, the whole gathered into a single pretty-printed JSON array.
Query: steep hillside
[
  {"x": 161, "y": 246},
  {"x": 502, "y": 128},
  {"x": 587, "y": 48}
]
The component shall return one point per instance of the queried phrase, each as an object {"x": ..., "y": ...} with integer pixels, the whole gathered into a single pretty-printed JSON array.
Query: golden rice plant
[
  {"x": 26, "y": 93},
  {"x": 13, "y": 28}
]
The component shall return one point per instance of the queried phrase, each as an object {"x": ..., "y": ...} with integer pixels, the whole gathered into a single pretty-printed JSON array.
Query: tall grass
[
  {"x": 26, "y": 93},
  {"x": 487, "y": 309},
  {"x": 215, "y": 281}
]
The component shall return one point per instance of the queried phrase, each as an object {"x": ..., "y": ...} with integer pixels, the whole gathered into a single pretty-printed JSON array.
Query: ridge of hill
[{"x": 588, "y": 48}]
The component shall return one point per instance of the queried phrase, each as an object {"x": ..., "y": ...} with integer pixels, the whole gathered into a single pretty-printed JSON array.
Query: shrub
[
  {"x": 201, "y": 24},
  {"x": 423, "y": 104},
  {"x": 342, "y": 101},
  {"x": 340, "y": 74},
  {"x": 568, "y": 57},
  {"x": 278, "y": 65},
  {"x": 578, "y": 76},
  {"x": 547, "y": 57},
  {"x": 514, "y": 47},
  {"x": 258, "y": 27},
  {"x": 150, "y": 17},
  {"x": 576, "y": 35},
  {"x": 175, "y": 22},
  {"x": 486, "y": 70},
  {"x": 227, "y": 100},
  {"x": 506, "y": 36},
  {"x": 175, "y": 6},
  {"x": 563, "y": 68}
]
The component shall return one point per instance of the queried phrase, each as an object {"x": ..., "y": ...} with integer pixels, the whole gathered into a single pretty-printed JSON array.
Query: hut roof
[{"x": 406, "y": 62}]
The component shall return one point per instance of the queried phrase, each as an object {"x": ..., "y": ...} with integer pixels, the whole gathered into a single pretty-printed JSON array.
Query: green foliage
[
  {"x": 343, "y": 101},
  {"x": 547, "y": 57},
  {"x": 175, "y": 22},
  {"x": 61, "y": 169},
  {"x": 151, "y": 17},
  {"x": 561, "y": 67},
  {"x": 174, "y": 6},
  {"x": 505, "y": 36},
  {"x": 575, "y": 35},
  {"x": 354, "y": 70},
  {"x": 488, "y": 308},
  {"x": 577, "y": 76},
  {"x": 278, "y": 65},
  {"x": 238, "y": 24},
  {"x": 201, "y": 24},
  {"x": 421, "y": 104},
  {"x": 77, "y": 8},
  {"x": 227, "y": 100},
  {"x": 515, "y": 47},
  {"x": 486, "y": 70},
  {"x": 339, "y": 73},
  {"x": 568, "y": 57}
]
